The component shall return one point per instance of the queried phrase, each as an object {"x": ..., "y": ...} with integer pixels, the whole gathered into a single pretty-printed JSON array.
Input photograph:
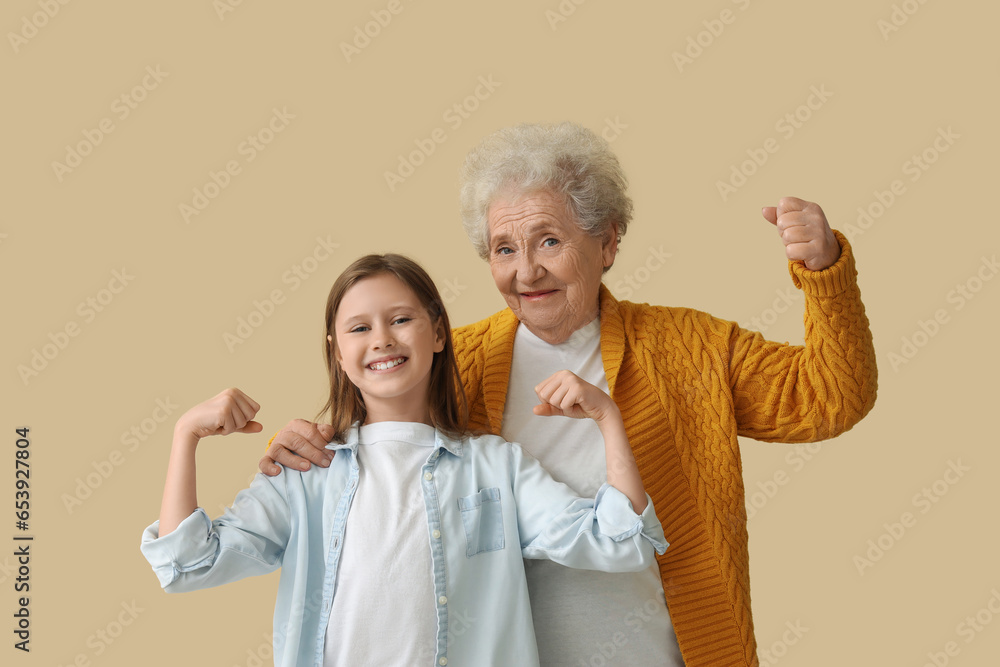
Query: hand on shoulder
[{"x": 299, "y": 445}]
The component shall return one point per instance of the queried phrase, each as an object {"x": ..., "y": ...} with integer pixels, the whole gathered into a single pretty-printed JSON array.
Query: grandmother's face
[{"x": 547, "y": 269}]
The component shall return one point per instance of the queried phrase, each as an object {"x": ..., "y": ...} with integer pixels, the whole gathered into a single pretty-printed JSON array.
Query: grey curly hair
[{"x": 563, "y": 159}]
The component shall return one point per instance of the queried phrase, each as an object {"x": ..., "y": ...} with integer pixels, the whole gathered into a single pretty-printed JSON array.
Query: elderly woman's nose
[{"x": 528, "y": 268}]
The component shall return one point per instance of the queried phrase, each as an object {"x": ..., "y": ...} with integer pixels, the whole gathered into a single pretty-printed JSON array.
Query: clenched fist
[
  {"x": 805, "y": 232},
  {"x": 230, "y": 411},
  {"x": 566, "y": 394}
]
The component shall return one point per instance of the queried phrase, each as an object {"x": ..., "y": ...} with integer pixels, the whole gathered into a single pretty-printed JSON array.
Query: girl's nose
[{"x": 382, "y": 338}]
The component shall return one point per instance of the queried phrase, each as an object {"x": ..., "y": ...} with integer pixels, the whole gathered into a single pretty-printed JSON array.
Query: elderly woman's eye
[
  {"x": 503, "y": 250},
  {"x": 547, "y": 243}
]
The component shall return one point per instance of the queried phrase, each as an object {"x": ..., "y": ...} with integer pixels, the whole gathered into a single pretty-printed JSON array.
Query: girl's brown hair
[{"x": 446, "y": 395}]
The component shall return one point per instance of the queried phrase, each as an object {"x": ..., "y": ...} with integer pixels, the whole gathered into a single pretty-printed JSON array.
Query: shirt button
[
  {"x": 436, "y": 534},
  {"x": 443, "y": 661},
  {"x": 428, "y": 476},
  {"x": 443, "y": 599}
]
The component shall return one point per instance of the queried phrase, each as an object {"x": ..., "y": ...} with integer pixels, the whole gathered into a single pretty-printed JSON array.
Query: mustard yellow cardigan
[{"x": 687, "y": 384}]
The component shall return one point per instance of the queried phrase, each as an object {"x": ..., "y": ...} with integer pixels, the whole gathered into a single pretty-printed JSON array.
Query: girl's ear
[
  {"x": 440, "y": 336},
  {"x": 336, "y": 352}
]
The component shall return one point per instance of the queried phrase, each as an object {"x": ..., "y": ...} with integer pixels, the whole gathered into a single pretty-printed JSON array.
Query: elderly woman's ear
[{"x": 609, "y": 247}]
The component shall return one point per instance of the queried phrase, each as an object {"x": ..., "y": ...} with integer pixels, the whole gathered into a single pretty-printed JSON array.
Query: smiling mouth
[
  {"x": 386, "y": 365},
  {"x": 531, "y": 295}
]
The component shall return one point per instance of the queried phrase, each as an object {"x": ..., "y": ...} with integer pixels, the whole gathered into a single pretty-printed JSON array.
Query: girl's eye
[
  {"x": 358, "y": 328},
  {"x": 401, "y": 319}
]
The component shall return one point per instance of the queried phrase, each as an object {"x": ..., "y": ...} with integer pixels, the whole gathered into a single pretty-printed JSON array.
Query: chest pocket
[{"x": 483, "y": 521}]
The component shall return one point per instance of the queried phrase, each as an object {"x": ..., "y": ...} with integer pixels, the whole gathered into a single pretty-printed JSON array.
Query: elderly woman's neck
[{"x": 561, "y": 331}]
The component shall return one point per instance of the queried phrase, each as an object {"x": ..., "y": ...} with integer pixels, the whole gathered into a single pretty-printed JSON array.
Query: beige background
[{"x": 677, "y": 131}]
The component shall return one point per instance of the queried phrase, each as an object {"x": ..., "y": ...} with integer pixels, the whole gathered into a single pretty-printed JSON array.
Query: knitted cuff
[
  {"x": 271, "y": 440},
  {"x": 830, "y": 281}
]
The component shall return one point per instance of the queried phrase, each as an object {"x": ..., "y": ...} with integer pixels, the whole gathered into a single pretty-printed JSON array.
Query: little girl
[{"x": 407, "y": 549}]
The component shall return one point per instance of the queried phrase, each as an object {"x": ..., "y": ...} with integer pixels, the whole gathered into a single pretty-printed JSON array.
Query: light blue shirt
[{"x": 488, "y": 504}]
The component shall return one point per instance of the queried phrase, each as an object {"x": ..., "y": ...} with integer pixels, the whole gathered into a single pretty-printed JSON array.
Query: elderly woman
[{"x": 546, "y": 206}]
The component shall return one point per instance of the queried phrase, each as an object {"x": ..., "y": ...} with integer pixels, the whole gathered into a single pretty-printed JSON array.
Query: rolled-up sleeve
[
  {"x": 247, "y": 540},
  {"x": 617, "y": 519},
  {"x": 600, "y": 533}
]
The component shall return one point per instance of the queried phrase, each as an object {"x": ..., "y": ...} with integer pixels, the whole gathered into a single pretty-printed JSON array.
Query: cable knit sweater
[{"x": 687, "y": 384}]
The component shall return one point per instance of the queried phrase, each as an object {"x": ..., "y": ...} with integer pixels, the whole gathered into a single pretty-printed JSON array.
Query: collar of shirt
[{"x": 441, "y": 440}]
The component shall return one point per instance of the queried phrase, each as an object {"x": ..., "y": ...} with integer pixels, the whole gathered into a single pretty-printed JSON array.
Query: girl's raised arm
[
  {"x": 564, "y": 393},
  {"x": 231, "y": 411}
]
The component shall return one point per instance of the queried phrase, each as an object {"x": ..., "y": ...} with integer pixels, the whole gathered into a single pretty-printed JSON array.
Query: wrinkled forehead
[{"x": 514, "y": 214}]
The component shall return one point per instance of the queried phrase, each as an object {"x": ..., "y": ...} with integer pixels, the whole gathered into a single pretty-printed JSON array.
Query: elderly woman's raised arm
[{"x": 792, "y": 393}]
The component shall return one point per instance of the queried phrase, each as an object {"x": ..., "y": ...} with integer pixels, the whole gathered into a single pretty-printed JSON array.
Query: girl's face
[{"x": 386, "y": 344}]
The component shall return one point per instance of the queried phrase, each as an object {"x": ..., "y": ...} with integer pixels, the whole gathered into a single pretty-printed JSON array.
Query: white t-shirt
[
  {"x": 581, "y": 617},
  {"x": 383, "y": 612}
]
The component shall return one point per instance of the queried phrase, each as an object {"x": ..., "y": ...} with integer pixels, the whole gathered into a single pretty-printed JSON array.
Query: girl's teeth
[{"x": 386, "y": 365}]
